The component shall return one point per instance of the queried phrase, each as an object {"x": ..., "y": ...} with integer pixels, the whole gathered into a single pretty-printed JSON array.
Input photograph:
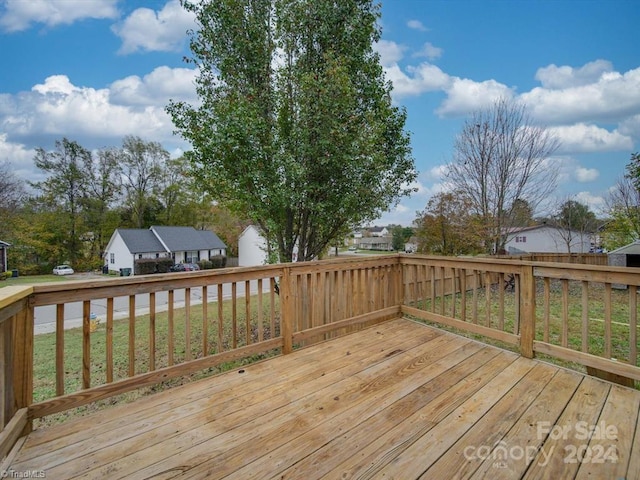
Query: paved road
[{"x": 45, "y": 317}]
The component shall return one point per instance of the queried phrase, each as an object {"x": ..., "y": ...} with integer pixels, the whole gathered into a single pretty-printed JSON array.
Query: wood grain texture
[{"x": 396, "y": 400}]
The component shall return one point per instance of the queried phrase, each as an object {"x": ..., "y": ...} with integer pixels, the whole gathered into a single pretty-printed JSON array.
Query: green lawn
[{"x": 45, "y": 350}]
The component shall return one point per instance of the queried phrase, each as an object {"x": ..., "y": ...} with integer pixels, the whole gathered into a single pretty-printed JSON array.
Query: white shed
[{"x": 252, "y": 247}]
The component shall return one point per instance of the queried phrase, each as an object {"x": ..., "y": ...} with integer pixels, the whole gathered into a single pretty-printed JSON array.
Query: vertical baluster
[
  {"x": 132, "y": 335},
  {"x": 547, "y": 308},
  {"x": 260, "y": 312},
  {"x": 487, "y": 298},
  {"x": 501, "y": 287},
  {"x": 463, "y": 294},
  {"x": 565, "y": 312},
  {"x": 86, "y": 344},
  {"x": 170, "y": 327},
  {"x": 633, "y": 325},
  {"x": 475, "y": 296},
  {"x": 234, "y": 316},
  {"x": 109, "y": 340},
  {"x": 60, "y": 349},
  {"x": 205, "y": 321},
  {"x": 607, "y": 320},
  {"x": 220, "y": 320},
  {"x": 187, "y": 324},
  {"x": 585, "y": 316},
  {"x": 247, "y": 311},
  {"x": 152, "y": 331},
  {"x": 272, "y": 307}
]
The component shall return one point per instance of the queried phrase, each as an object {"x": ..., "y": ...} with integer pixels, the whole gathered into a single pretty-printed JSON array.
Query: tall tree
[
  {"x": 574, "y": 221},
  {"x": 102, "y": 192},
  {"x": 296, "y": 128},
  {"x": 64, "y": 190},
  {"x": 12, "y": 195},
  {"x": 623, "y": 206},
  {"x": 447, "y": 226},
  {"x": 141, "y": 165},
  {"x": 500, "y": 158}
]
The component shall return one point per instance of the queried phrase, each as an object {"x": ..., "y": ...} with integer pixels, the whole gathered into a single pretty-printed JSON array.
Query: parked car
[
  {"x": 63, "y": 270},
  {"x": 184, "y": 267}
]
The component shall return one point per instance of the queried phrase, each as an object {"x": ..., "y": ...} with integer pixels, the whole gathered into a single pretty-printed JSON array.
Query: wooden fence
[{"x": 194, "y": 321}]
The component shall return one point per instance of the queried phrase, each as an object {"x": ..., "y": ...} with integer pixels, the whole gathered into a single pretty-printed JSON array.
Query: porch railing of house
[{"x": 576, "y": 313}]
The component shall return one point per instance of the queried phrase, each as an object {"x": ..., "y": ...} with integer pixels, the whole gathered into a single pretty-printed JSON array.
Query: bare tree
[
  {"x": 12, "y": 194},
  {"x": 499, "y": 160}
]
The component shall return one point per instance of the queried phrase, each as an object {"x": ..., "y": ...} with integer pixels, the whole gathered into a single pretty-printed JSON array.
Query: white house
[
  {"x": 252, "y": 247},
  {"x": 546, "y": 239},
  {"x": 378, "y": 231},
  {"x": 182, "y": 244}
]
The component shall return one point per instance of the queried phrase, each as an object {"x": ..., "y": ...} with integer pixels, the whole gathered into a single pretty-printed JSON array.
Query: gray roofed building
[
  {"x": 181, "y": 244},
  {"x": 187, "y": 238},
  {"x": 141, "y": 241}
]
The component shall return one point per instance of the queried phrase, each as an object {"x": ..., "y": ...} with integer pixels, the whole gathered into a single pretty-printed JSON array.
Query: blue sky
[{"x": 96, "y": 70}]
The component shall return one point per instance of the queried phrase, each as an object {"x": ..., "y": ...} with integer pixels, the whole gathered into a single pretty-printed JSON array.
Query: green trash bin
[
  {"x": 14, "y": 273},
  {"x": 125, "y": 272}
]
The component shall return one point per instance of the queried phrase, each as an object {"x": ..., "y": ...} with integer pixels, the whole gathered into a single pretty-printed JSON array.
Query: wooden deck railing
[{"x": 158, "y": 327}]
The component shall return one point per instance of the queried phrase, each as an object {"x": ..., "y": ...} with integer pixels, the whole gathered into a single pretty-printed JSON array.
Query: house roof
[
  {"x": 631, "y": 249},
  {"x": 188, "y": 238},
  {"x": 139, "y": 240},
  {"x": 4, "y": 244}
]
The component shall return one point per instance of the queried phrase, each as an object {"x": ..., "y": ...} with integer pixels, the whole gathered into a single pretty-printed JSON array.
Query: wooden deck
[{"x": 398, "y": 400}]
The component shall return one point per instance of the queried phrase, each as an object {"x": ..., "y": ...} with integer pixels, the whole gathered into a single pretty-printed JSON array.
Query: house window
[
  {"x": 522, "y": 239},
  {"x": 191, "y": 257},
  {"x": 139, "y": 255},
  {"x": 112, "y": 258}
]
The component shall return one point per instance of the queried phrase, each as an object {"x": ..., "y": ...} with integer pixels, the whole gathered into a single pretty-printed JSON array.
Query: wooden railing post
[
  {"x": 527, "y": 311},
  {"x": 286, "y": 311}
]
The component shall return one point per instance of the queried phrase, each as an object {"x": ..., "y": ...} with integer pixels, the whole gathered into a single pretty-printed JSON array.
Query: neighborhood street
[{"x": 45, "y": 317}]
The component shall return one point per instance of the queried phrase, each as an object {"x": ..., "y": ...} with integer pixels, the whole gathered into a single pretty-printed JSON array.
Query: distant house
[
  {"x": 252, "y": 247},
  {"x": 182, "y": 244},
  {"x": 376, "y": 243},
  {"x": 378, "y": 231},
  {"x": 546, "y": 239},
  {"x": 3, "y": 255}
]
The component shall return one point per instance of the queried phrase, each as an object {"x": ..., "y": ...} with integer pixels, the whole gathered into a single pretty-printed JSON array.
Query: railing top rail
[{"x": 14, "y": 293}]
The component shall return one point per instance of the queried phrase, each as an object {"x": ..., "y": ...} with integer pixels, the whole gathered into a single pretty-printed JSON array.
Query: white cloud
[
  {"x": 417, "y": 25},
  {"x": 429, "y": 51},
  {"x": 596, "y": 203},
  {"x": 465, "y": 96},
  {"x": 586, "y": 175},
  {"x": 390, "y": 52},
  {"x": 17, "y": 156},
  {"x": 554, "y": 77},
  {"x": 18, "y": 15},
  {"x": 417, "y": 80},
  {"x": 581, "y": 138},
  {"x": 613, "y": 97},
  {"x": 148, "y": 30},
  {"x": 58, "y": 108},
  {"x": 156, "y": 88}
]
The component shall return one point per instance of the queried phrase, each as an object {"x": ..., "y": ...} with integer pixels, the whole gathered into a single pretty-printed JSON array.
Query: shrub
[{"x": 218, "y": 261}]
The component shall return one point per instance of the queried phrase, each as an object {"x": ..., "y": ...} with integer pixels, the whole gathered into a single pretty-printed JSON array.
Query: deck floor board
[{"x": 397, "y": 400}]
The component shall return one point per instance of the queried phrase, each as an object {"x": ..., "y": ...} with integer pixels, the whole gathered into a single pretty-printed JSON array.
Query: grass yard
[
  {"x": 45, "y": 348},
  {"x": 596, "y": 313}
]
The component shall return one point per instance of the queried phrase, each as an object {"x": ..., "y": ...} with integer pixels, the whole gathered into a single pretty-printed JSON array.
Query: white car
[{"x": 63, "y": 270}]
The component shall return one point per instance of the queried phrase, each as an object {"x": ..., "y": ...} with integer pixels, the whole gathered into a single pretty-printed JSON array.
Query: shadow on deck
[{"x": 396, "y": 400}]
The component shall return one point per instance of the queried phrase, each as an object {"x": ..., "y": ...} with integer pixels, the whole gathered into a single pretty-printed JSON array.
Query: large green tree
[
  {"x": 142, "y": 165},
  {"x": 624, "y": 208},
  {"x": 295, "y": 128},
  {"x": 447, "y": 226},
  {"x": 63, "y": 190},
  {"x": 574, "y": 222}
]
